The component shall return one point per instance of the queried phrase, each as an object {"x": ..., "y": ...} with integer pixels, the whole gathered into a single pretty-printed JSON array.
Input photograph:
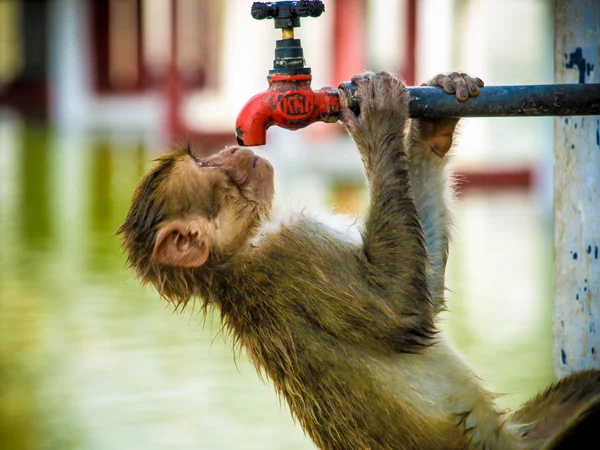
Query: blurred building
[{"x": 173, "y": 69}]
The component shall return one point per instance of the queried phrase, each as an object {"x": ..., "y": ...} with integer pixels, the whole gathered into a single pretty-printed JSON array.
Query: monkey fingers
[
  {"x": 383, "y": 101},
  {"x": 437, "y": 133},
  {"x": 461, "y": 84},
  {"x": 378, "y": 91}
]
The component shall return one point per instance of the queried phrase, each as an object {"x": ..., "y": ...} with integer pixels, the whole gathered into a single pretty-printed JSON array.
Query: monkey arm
[
  {"x": 393, "y": 239},
  {"x": 334, "y": 292},
  {"x": 429, "y": 182},
  {"x": 428, "y": 141}
]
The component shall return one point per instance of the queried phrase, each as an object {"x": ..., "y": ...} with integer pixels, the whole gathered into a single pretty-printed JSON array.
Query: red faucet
[{"x": 289, "y": 102}]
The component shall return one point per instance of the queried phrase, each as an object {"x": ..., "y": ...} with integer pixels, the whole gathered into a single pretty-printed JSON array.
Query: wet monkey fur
[{"x": 344, "y": 326}]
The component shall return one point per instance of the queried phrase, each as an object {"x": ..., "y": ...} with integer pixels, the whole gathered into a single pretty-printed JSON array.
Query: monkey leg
[{"x": 563, "y": 415}]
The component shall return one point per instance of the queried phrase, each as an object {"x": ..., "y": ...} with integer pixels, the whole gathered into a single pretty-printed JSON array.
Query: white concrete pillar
[{"x": 576, "y": 328}]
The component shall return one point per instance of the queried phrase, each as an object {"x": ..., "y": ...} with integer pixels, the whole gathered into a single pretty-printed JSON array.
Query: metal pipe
[{"x": 501, "y": 101}]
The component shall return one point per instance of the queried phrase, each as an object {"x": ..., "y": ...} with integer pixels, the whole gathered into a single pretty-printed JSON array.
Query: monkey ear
[{"x": 182, "y": 243}]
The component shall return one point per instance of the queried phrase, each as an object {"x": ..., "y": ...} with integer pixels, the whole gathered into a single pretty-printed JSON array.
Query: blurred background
[{"x": 92, "y": 91}]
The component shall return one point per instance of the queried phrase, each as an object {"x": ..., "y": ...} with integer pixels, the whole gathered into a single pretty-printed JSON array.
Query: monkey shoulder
[{"x": 310, "y": 222}]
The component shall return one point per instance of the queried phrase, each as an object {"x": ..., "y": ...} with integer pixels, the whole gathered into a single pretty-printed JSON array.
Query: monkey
[{"x": 344, "y": 328}]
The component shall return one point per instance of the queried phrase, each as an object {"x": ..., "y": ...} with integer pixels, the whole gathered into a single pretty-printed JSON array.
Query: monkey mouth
[{"x": 208, "y": 163}]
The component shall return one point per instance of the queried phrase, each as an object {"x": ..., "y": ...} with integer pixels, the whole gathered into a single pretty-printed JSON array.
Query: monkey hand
[
  {"x": 437, "y": 133},
  {"x": 383, "y": 101}
]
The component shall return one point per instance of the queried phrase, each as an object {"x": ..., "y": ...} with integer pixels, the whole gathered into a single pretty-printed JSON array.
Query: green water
[{"x": 88, "y": 360}]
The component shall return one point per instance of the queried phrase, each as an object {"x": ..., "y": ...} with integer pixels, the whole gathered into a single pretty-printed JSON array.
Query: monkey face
[
  {"x": 251, "y": 174},
  {"x": 213, "y": 206},
  {"x": 242, "y": 193},
  {"x": 189, "y": 211}
]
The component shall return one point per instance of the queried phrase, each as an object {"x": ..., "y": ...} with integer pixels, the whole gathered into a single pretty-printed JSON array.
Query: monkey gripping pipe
[{"x": 290, "y": 102}]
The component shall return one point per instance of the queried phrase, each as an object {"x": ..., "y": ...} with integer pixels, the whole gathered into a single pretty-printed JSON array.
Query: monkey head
[{"x": 188, "y": 214}]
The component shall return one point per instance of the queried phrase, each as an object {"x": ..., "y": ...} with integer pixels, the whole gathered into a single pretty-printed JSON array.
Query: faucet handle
[
  {"x": 287, "y": 14},
  {"x": 262, "y": 10},
  {"x": 310, "y": 8}
]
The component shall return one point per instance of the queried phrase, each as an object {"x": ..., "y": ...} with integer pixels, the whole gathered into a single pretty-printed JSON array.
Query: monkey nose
[
  {"x": 243, "y": 156},
  {"x": 240, "y": 161}
]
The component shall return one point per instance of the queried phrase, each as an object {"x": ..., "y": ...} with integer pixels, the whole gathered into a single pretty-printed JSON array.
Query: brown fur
[
  {"x": 553, "y": 416},
  {"x": 345, "y": 331}
]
